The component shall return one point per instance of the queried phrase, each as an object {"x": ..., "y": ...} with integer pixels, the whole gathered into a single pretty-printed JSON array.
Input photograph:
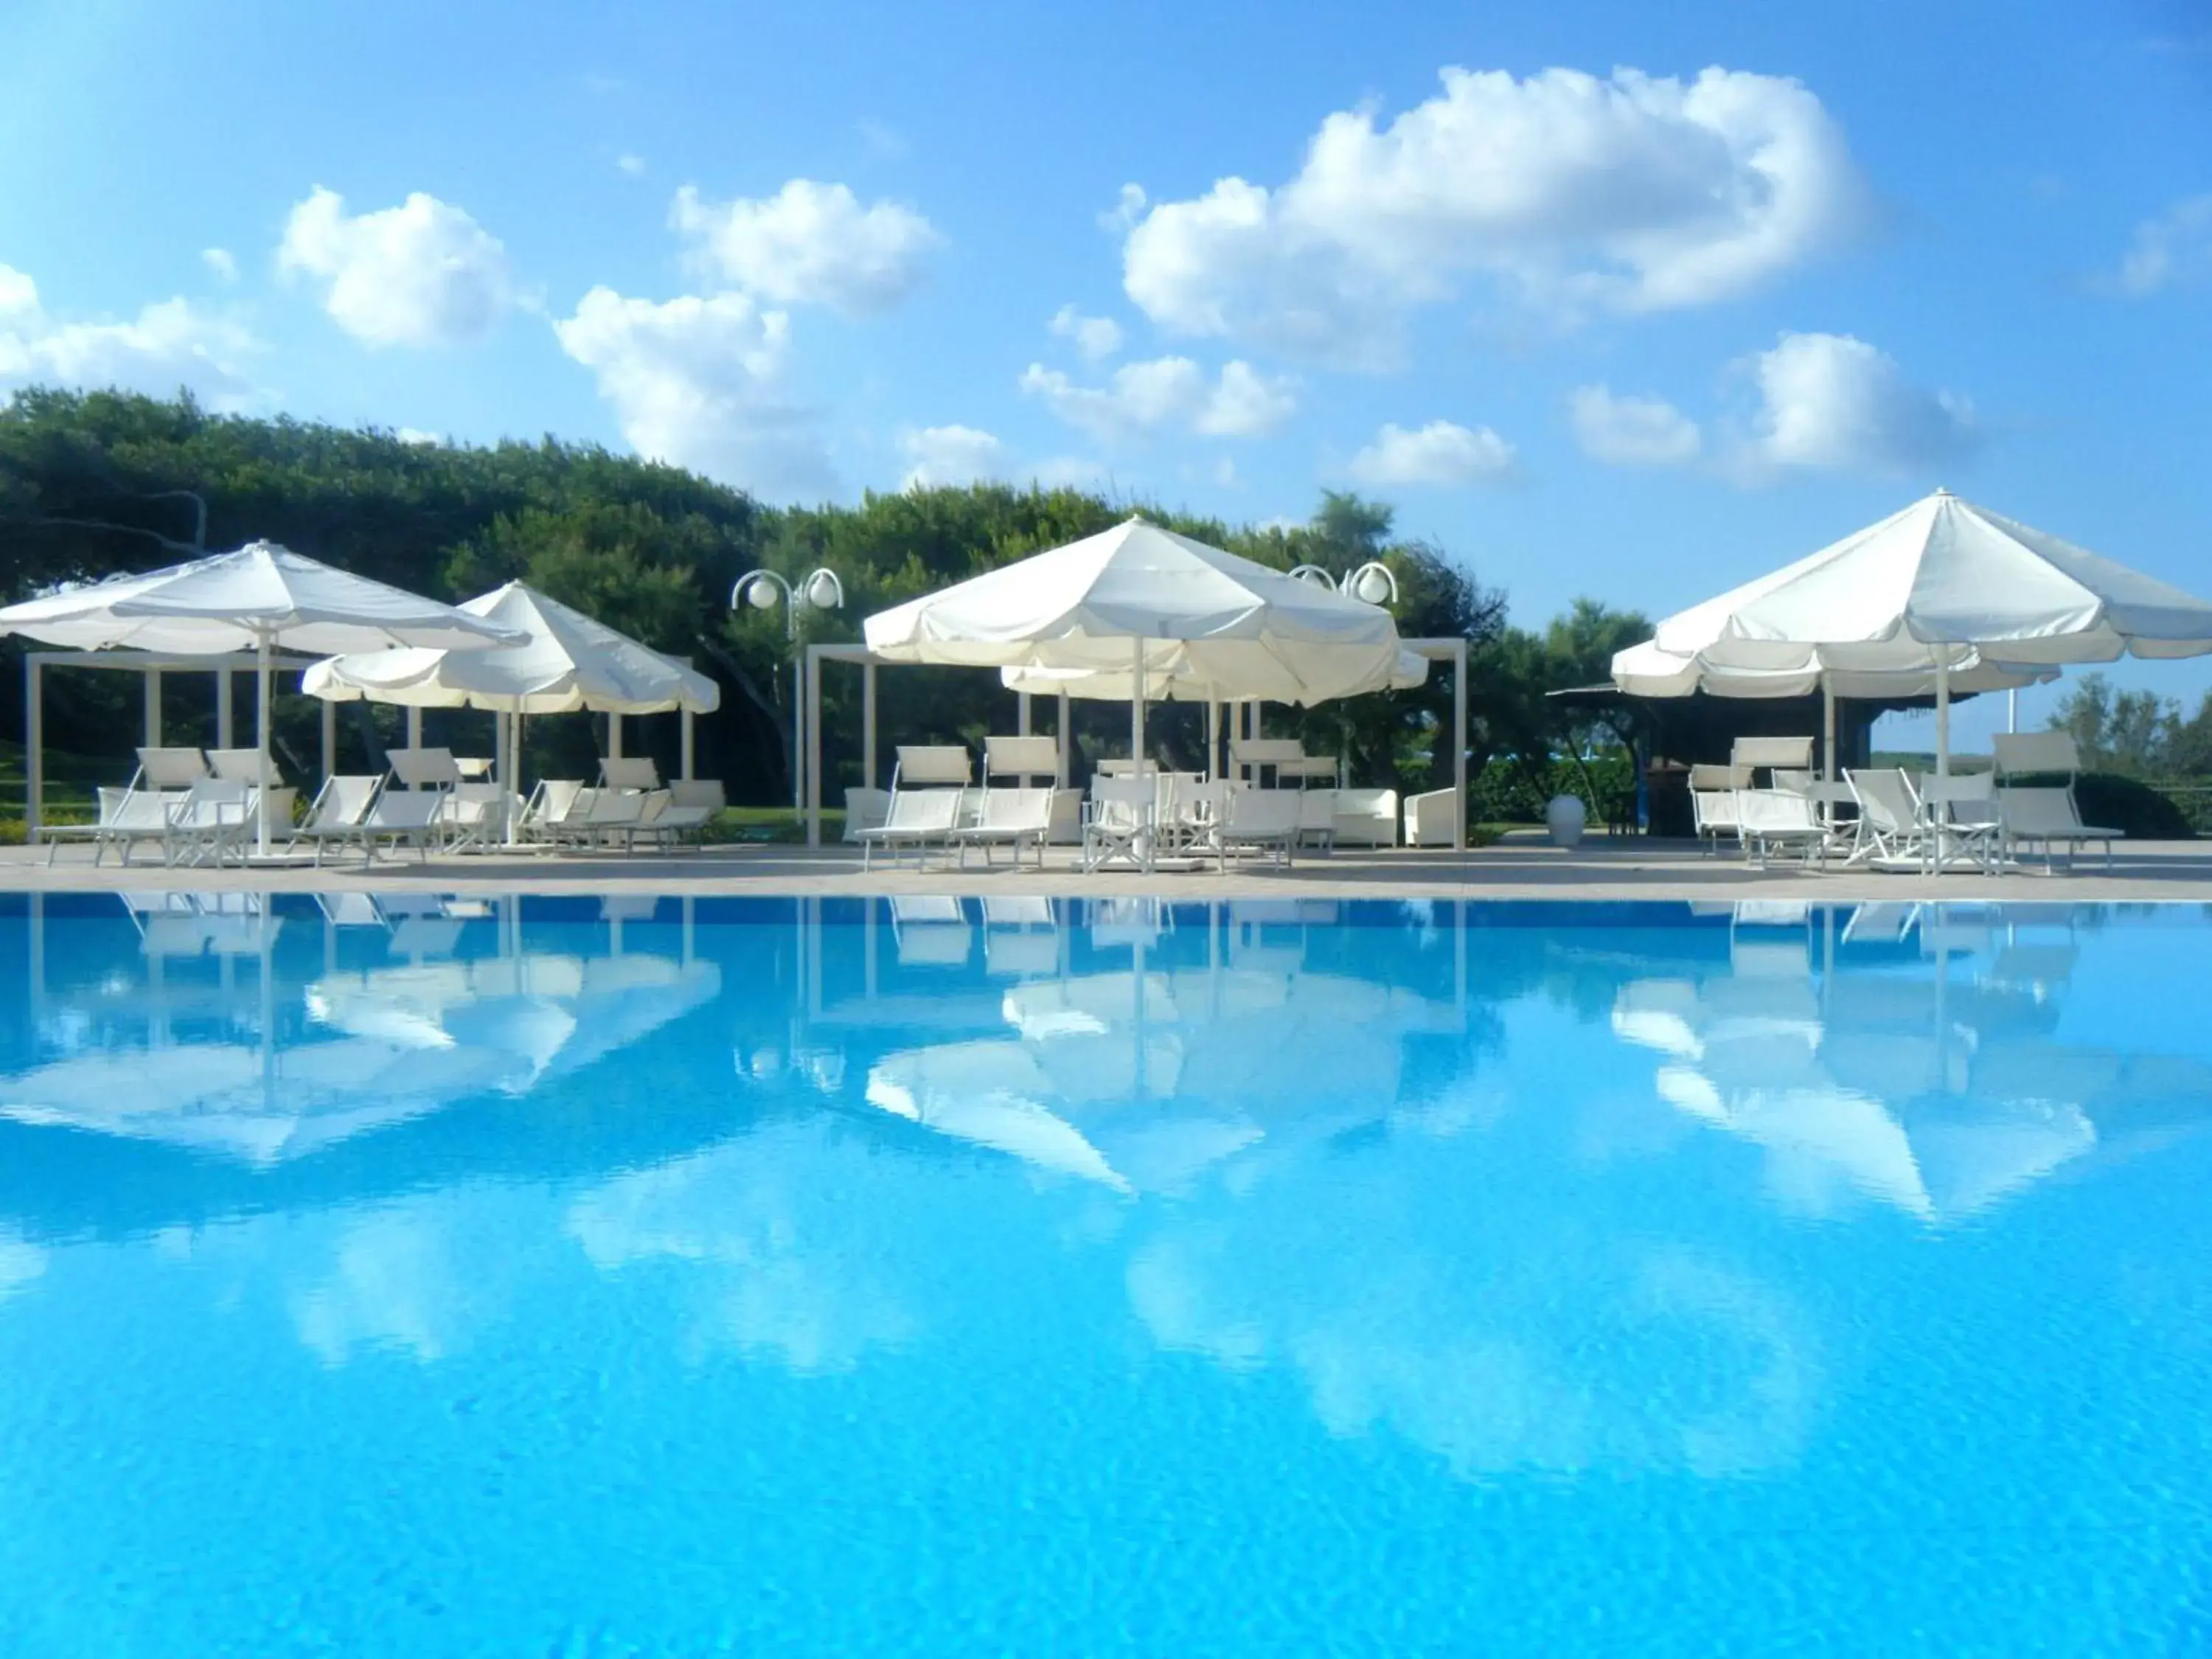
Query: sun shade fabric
[
  {"x": 1646, "y": 671},
  {"x": 567, "y": 661},
  {"x": 1212, "y": 624},
  {"x": 1941, "y": 578},
  {"x": 262, "y": 594},
  {"x": 1164, "y": 682}
]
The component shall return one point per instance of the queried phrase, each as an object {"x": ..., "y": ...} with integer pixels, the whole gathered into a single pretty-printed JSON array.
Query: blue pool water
[{"x": 554, "y": 1277}]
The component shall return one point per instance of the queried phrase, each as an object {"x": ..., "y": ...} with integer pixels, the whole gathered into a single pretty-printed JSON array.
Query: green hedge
[{"x": 1503, "y": 793}]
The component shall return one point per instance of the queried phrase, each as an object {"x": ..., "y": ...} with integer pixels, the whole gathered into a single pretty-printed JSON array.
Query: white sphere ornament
[
  {"x": 823, "y": 592},
  {"x": 1565, "y": 819},
  {"x": 1372, "y": 587},
  {"x": 761, "y": 594}
]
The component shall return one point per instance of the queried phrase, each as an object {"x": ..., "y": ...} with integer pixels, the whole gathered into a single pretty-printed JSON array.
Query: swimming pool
[{"x": 422, "y": 1276}]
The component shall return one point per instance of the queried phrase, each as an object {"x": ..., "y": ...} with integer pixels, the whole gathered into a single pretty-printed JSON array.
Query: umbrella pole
[
  {"x": 1137, "y": 711},
  {"x": 261, "y": 769}
]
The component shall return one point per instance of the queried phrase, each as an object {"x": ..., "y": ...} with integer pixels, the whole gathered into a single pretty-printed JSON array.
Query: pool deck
[{"x": 1519, "y": 867}]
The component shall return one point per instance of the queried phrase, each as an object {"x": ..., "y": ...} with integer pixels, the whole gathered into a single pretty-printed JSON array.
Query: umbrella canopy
[
  {"x": 1927, "y": 587},
  {"x": 1169, "y": 680},
  {"x": 1649, "y": 671},
  {"x": 567, "y": 661},
  {"x": 262, "y": 598},
  {"x": 1138, "y": 592}
]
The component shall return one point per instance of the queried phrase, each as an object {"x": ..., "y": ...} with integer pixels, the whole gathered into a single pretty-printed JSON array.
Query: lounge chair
[
  {"x": 600, "y": 819},
  {"x": 1960, "y": 819},
  {"x": 214, "y": 819},
  {"x": 2032, "y": 816},
  {"x": 169, "y": 769},
  {"x": 629, "y": 772},
  {"x": 683, "y": 808},
  {"x": 1751, "y": 756},
  {"x": 335, "y": 813},
  {"x": 1021, "y": 937},
  {"x": 1119, "y": 825},
  {"x": 1259, "y": 821},
  {"x": 927, "y": 786},
  {"x": 409, "y": 817},
  {"x": 931, "y": 932},
  {"x": 1772, "y": 821},
  {"x": 126, "y": 816},
  {"x": 1890, "y": 831},
  {"x": 423, "y": 768},
  {"x": 1011, "y": 819},
  {"x": 2046, "y": 815},
  {"x": 1713, "y": 791}
]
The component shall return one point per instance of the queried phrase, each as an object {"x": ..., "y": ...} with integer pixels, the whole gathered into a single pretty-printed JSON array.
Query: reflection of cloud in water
[
  {"x": 393, "y": 1281},
  {"x": 21, "y": 1262},
  {"x": 791, "y": 1266},
  {"x": 1504, "y": 1339}
]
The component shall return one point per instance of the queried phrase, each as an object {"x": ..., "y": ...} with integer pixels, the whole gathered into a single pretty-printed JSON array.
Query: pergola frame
[
  {"x": 153, "y": 666},
  {"x": 1451, "y": 650}
]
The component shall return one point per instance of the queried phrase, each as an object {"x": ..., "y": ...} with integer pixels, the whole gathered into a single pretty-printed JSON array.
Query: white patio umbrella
[
  {"x": 566, "y": 662},
  {"x": 1946, "y": 588},
  {"x": 261, "y": 597},
  {"x": 1136, "y": 596}
]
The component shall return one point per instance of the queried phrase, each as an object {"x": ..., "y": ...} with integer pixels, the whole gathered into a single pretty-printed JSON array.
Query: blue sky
[{"x": 1623, "y": 299}]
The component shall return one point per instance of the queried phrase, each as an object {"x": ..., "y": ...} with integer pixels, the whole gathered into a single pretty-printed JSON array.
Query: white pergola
[
  {"x": 152, "y": 665},
  {"x": 1453, "y": 651}
]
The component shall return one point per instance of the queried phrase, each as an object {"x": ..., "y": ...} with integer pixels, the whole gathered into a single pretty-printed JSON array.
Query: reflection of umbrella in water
[
  {"x": 988, "y": 1093},
  {"x": 1875, "y": 1092},
  {"x": 245, "y": 1101},
  {"x": 551, "y": 1013}
]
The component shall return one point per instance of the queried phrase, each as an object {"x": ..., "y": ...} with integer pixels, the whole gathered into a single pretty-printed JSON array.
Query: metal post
[
  {"x": 1458, "y": 743},
  {"x": 868, "y": 725},
  {"x": 685, "y": 743},
  {"x": 1137, "y": 711},
  {"x": 414, "y": 728},
  {"x": 261, "y": 694},
  {"x": 1022, "y": 714},
  {"x": 1066, "y": 747},
  {"x": 153, "y": 708},
  {"x": 812, "y": 674},
  {"x": 222, "y": 709},
  {"x": 330, "y": 739},
  {"x": 1827, "y": 728},
  {"x": 798, "y": 712},
  {"x": 35, "y": 751},
  {"x": 614, "y": 737}
]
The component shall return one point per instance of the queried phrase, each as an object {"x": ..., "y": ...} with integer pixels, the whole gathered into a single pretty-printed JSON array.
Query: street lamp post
[
  {"x": 1370, "y": 584},
  {"x": 821, "y": 590}
]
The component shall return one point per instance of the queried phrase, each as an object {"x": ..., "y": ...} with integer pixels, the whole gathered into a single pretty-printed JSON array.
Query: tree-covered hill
[{"x": 93, "y": 483}]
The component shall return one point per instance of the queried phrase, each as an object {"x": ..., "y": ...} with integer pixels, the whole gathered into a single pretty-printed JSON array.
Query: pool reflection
[{"x": 1538, "y": 1188}]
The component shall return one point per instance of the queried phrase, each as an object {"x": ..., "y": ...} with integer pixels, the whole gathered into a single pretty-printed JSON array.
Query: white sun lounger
[
  {"x": 1258, "y": 820},
  {"x": 927, "y": 788},
  {"x": 1772, "y": 821},
  {"x": 214, "y": 819},
  {"x": 334, "y": 815}
]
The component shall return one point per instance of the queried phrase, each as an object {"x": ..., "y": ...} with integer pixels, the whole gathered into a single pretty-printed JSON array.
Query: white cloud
[
  {"x": 1831, "y": 402},
  {"x": 2168, "y": 251},
  {"x": 697, "y": 381},
  {"x": 220, "y": 262},
  {"x": 1628, "y": 431},
  {"x": 1096, "y": 337},
  {"x": 1167, "y": 392},
  {"x": 809, "y": 244},
  {"x": 1069, "y": 472},
  {"x": 421, "y": 274},
  {"x": 170, "y": 344},
  {"x": 1441, "y": 453},
  {"x": 1634, "y": 193},
  {"x": 1129, "y": 208},
  {"x": 949, "y": 455},
  {"x": 415, "y": 434},
  {"x": 632, "y": 164}
]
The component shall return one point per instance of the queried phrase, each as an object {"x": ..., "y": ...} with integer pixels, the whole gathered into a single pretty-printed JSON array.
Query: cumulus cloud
[
  {"x": 171, "y": 345},
  {"x": 1628, "y": 431},
  {"x": 1443, "y": 454},
  {"x": 1167, "y": 392},
  {"x": 2171, "y": 250},
  {"x": 1831, "y": 402},
  {"x": 630, "y": 163},
  {"x": 421, "y": 274},
  {"x": 697, "y": 381},
  {"x": 949, "y": 455},
  {"x": 1096, "y": 337},
  {"x": 417, "y": 435},
  {"x": 221, "y": 264},
  {"x": 809, "y": 244},
  {"x": 1632, "y": 193}
]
